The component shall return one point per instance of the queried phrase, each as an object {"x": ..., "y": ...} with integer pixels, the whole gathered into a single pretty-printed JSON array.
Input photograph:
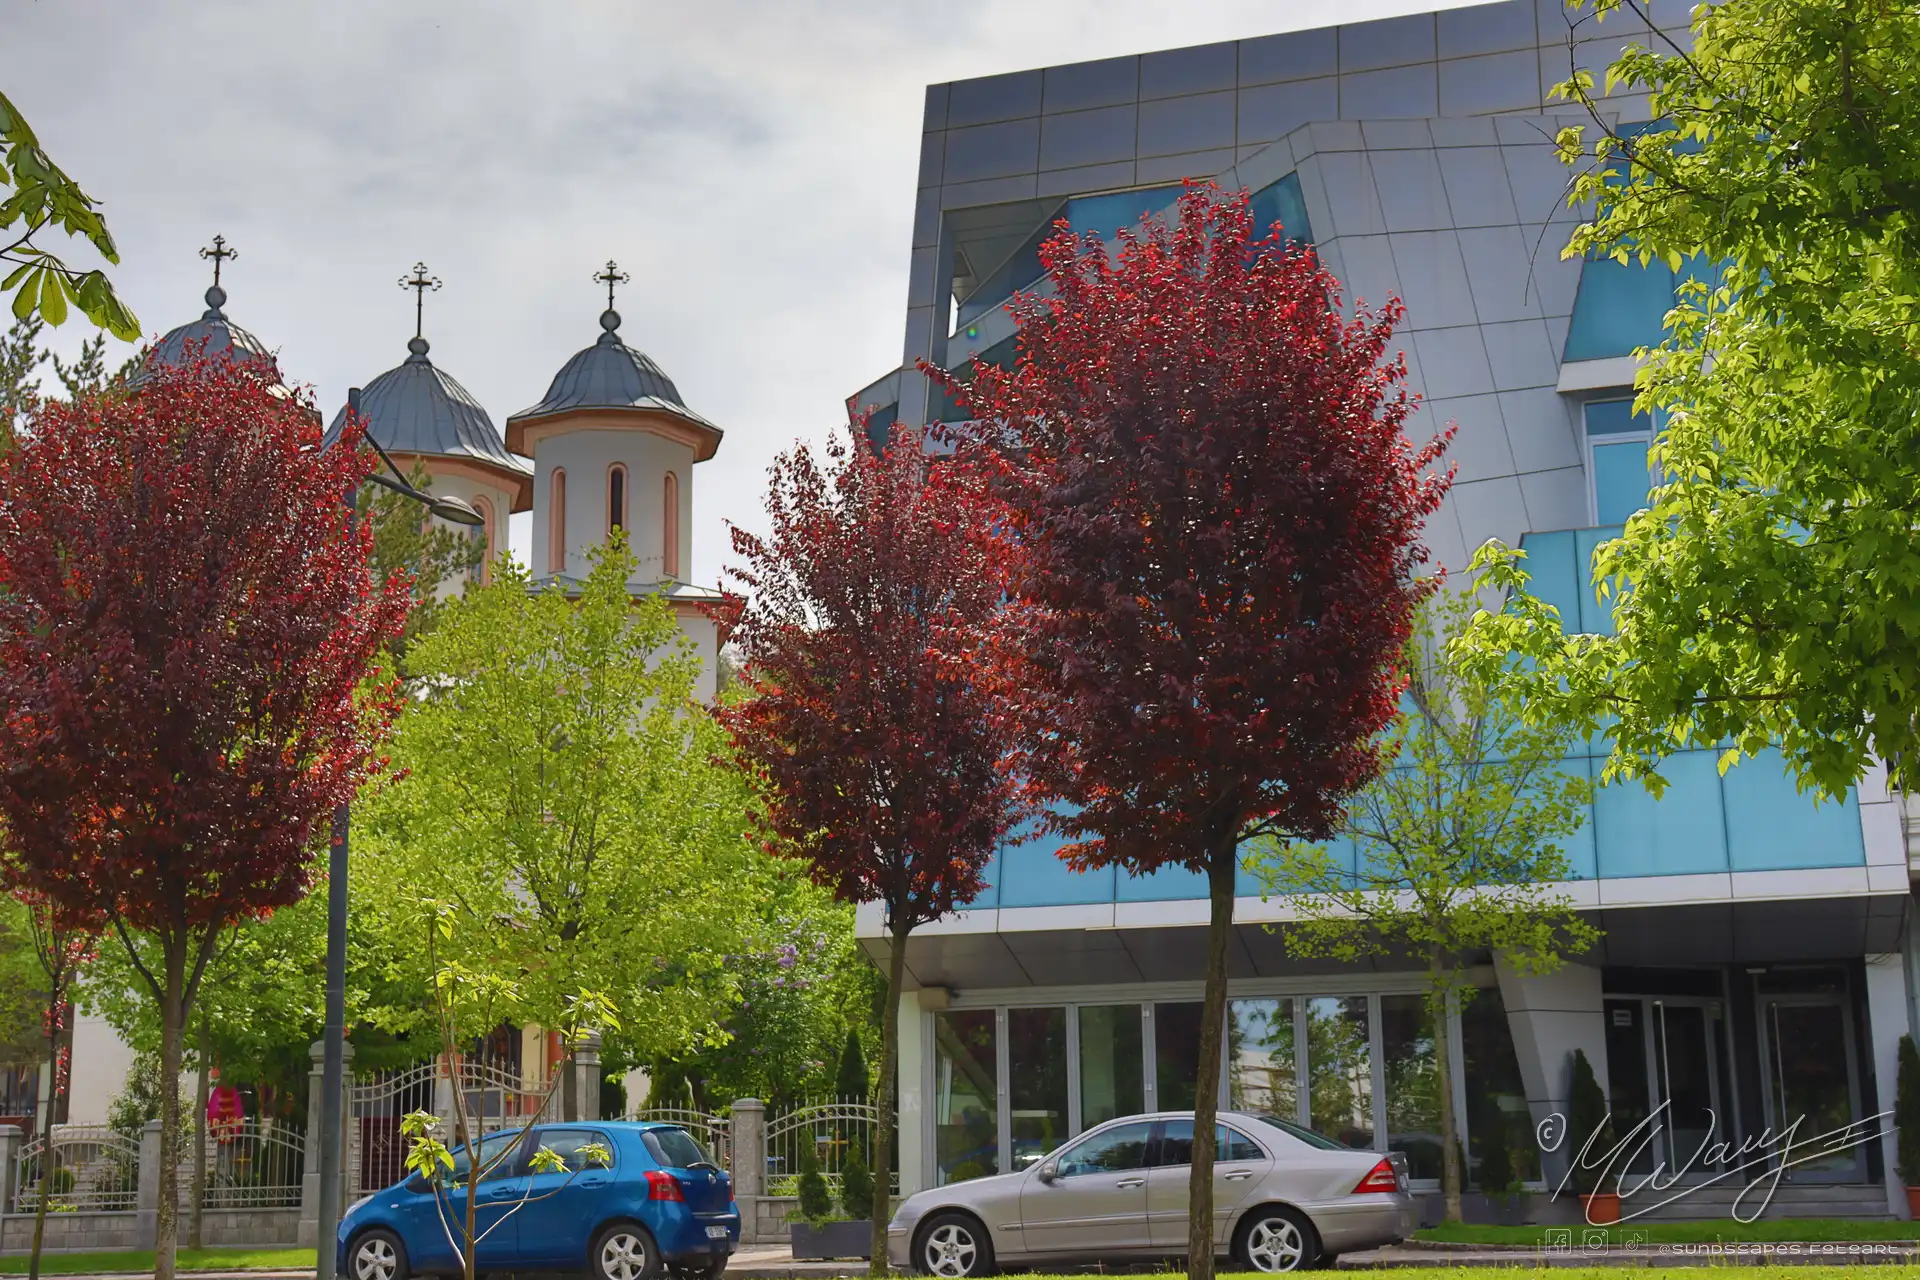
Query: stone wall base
[{"x": 130, "y": 1229}]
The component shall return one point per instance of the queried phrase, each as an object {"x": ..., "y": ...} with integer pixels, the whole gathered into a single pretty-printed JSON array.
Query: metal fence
[
  {"x": 834, "y": 1128},
  {"x": 252, "y": 1165},
  {"x": 88, "y": 1167},
  {"x": 496, "y": 1097}
]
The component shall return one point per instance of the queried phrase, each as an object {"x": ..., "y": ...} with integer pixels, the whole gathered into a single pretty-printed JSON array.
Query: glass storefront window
[
  {"x": 1412, "y": 1071},
  {"x": 1112, "y": 1071},
  {"x": 1036, "y": 1082},
  {"x": 1176, "y": 1054},
  {"x": 966, "y": 1125},
  {"x": 1261, "y": 1077},
  {"x": 1496, "y": 1099},
  {"x": 1340, "y": 1069}
]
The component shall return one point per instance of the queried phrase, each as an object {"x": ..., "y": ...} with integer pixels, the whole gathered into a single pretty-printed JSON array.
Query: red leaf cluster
[
  {"x": 185, "y": 619},
  {"x": 1214, "y": 522},
  {"x": 871, "y": 714}
]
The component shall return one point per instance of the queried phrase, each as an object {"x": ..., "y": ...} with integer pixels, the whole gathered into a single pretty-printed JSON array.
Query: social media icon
[
  {"x": 1593, "y": 1238},
  {"x": 1558, "y": 1239}
]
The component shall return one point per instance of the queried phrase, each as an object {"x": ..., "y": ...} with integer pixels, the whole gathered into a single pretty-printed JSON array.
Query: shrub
[
  {"x": 1586, "y": 1116},
  {"x": 1496, "y": 1158},
  {"x": 967, "y": 1171},
  {"x": 816, "y": 1198},
  {"x": 856, "y": 1184},
  {"x": 1906, "y": 1112}
]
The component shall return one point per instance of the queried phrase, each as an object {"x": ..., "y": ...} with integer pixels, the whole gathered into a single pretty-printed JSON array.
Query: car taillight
[
  {"x": 1380, "y": 1178},
  {"x": 662, "y": 1185}
]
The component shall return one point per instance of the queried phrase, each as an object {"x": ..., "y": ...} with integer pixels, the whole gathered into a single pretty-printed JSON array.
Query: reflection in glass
[
  {"x": 1496, "y": 1099},
  {"x": 1112, "y": 1078},
  {"x": 1412, "y": 1082},
  {"x": 1037, "y": 1082},
  {"x": 1340, "y": 1069},
  {"x": 966, "y": 1131},
  {"x": 1260, "y": 1061},
  {"x": 1176, "y": 1052}
]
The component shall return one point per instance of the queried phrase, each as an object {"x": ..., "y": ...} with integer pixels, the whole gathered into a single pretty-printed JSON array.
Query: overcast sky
[{"x": 750, "y": 162}]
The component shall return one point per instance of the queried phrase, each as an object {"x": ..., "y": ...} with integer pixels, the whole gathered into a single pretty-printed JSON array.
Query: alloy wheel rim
[
  {"x": 1274, "y": 1245},
  {"x": 376, "y": 1261},
  {"x": 623, "y": 1257},
  {"x": 950, "y": 1251}
]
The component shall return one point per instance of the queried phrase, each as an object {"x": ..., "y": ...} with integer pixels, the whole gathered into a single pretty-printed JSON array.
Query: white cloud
[{"x": 750, "y": 163}]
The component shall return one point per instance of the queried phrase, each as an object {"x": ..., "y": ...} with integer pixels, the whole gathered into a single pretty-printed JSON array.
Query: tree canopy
[{"x": 1769, "y": 595}]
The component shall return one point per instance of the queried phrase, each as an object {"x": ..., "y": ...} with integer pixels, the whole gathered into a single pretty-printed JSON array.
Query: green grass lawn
[
  {"x": 1719, "y": 1229},
  {"x": 71, "y": 1264}
]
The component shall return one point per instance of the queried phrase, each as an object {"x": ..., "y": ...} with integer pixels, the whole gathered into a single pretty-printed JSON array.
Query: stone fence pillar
[
  {"x": 586, "y": 1075},
  {"x": 12, "y": 1139},
  {"x": 747, "y": 1132},
  {"x": 308, "y": 1232},
  {"x": 146, "y": 1200}
]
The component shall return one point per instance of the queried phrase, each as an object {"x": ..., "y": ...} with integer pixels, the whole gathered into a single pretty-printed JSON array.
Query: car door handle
[
  {"x": 500, "y": 1193},
  {"x": 1128, "y": 1184},
  {"x": 593, "y": 1182},
  {"x": 1239, "y": 1175}
]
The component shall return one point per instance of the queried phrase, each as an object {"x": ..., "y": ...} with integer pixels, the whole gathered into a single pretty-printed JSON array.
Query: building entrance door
[
  {"x": 1811, "y": 1081},
  {"x": 1664, "y": 1056}
]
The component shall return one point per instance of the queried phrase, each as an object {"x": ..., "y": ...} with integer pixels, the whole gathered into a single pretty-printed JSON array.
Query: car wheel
[
  {"x": 624, "y": 1251},
  {"x": 953, "y": 1245},
  {"x": 377, "y": 1255},
  {"x": 1275, "y": 1238}
]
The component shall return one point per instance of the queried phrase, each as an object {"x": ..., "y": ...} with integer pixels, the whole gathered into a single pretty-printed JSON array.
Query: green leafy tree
[
  {"x": 88, "y": 376},
  {"x": 1770, "y": 594},
  {"x": 1906, "y": 1112},
  {"x": 41, "y": 195},
  {"x": 21, "y": 356},
  {"x": 851, "y": 1080},
  {"x": 1586, "y": 1127},
  {"x": 1456, "y": 849},
  {"x": 561, "y": 784}
]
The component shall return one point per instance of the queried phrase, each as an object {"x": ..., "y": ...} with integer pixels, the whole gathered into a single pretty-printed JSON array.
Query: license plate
[{"x": 716, "y": 1233}]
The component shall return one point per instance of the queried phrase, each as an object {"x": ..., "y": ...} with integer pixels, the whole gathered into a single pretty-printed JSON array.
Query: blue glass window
[
  {"x": 1617, "y": 440},
  {"x": 1103, "y": 215},
  {"x": 1282, "y": 202}
]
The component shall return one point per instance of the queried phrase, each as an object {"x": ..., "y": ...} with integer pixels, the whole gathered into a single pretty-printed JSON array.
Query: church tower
[
  {"x": 212, "y": 336},
  {"x": 419, "y": 413},
  {"x": 613, "y": 447}
]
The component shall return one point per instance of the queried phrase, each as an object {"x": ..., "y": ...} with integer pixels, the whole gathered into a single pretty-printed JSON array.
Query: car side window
[
  {"x": 577, "y": 1148},
  {"x": 1109, "y": 1151},
  {"x": 1176, "y": 1145}
]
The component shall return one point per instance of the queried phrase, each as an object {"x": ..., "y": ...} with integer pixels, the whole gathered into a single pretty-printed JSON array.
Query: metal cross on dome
[
  {"x": 420, "y": 282},
  {"x": 611, "y": 276},
  {"x": 219, "y": 253}
]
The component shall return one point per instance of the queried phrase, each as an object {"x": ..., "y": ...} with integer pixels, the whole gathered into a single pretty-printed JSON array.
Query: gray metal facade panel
[
  {"x": 1199, "y": 69},
  {"x": 1486, "y": 28},
  {"x": 1083, "y": 85},
  {"x": 1296, "y": 55},
  {"x": 1386, "y": 42}
]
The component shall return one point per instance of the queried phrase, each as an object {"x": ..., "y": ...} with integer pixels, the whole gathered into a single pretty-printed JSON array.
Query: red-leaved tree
[
  {"x": 868, "y": 715},
  {"x": 1218, "y": 522},
  {"x": 187, "y": 627}
]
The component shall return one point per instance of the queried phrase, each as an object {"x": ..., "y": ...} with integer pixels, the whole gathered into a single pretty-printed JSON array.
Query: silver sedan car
[{"x": 1284, "y": 1198}]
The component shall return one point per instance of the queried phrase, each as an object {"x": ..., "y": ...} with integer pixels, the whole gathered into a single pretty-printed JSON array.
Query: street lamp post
[{"x": 332, "y": 1086}]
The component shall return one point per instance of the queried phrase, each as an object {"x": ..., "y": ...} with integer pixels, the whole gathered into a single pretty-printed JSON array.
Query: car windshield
[
  {"x": 1305, "y": 1134},
  {"x": 675, "y": 1148}
]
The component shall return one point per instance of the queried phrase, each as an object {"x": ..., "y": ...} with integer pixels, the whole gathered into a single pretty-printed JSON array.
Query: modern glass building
[{"x": 1756, "y": 961}]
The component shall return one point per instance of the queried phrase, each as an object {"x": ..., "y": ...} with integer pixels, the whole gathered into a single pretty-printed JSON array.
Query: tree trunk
[
  {"x": 883, "y": 1101},
  {"x": 204, "y": 1052},
  {"x": 166, "y": 1232},
  {"x": 1451, "y": 1173},
  {"x": 1223, "y": 862},
  {"x": 569, "y": 1090},
  {"x": 54, "y": 1019}
]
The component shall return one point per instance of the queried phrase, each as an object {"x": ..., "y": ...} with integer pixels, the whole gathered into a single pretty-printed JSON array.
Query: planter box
[{"x": 830, "y": 1240}]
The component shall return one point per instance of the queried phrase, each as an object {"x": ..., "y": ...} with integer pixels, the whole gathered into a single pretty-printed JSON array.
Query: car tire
[
  {"x": 952, "y": 1246},
  {"x": 1275, "y": 1238},
  {"x": 622, "y": 1251},
  {"x": 377, "y": 1255}
]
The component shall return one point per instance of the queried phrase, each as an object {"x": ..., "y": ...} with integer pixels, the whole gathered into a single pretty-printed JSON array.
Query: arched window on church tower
[
  {"x": 616, "y": 497},
  {"x": 670, "y": 530},
  {"x": 557, "y": 521},
  {"x": 485, "y": 535}
]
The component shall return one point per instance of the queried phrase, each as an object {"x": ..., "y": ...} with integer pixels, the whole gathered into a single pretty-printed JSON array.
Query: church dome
[
  {"x": 212, "y": 336},
  {"x": 610, "y": 375},
  {"x": 418, "y": 408}
]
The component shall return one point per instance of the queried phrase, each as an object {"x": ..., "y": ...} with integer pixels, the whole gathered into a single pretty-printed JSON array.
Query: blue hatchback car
[{"x": 660, "y": 1205}]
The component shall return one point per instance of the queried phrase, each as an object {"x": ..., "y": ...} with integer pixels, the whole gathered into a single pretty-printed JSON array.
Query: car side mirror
[{"x": 1049, "y": 1171}]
